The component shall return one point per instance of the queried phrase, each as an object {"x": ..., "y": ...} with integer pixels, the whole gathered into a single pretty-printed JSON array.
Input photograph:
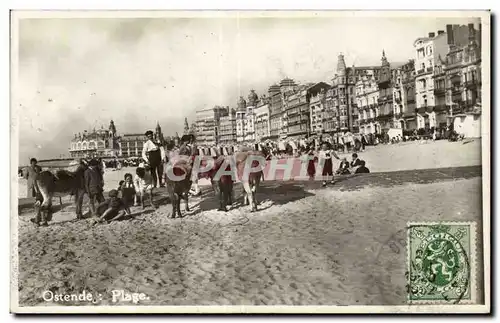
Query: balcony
[
  {"x": 385, "y": 116},
  {"x": 441, "y": 107},
  {"x": 439, "y": 91},
  {"x": 472, "y": 83},
  {"x": 429, "y": 69},
  {"x": 421, "y": 71}
]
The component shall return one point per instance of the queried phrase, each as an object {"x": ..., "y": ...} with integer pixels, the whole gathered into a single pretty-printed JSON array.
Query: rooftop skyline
[{"x": 76, "y": 74}]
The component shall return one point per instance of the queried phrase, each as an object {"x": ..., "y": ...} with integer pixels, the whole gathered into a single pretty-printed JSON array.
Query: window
[
  {"x": 420, "y": 53},
  {"x": 429, "y": 50}
]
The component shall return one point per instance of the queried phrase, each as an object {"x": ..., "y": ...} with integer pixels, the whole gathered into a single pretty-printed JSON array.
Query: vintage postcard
[{"x": 250, "y": 162}]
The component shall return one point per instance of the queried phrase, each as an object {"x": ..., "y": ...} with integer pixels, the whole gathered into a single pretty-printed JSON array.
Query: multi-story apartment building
[
  {"x": 427, "y": 53},
  {"x": 320, "y": 114},
  {"x": 463, "y": 69},
  {"x": 385, "y": 117},
  {"x": 131, "y": 145},
  {"x": 367, "y": 95},
  {"x": 241, "y": 112},
  {"x": 343, "y": 98},
  {"x": 249, "y": 120},
  {"x": 207, "y": 125},
  {"x": 227, "y": 128},
  {"x": 275, "y": 111},
  {"x": 262, "y": 124},
  {"x": 297, "y": 112},
  {"x": 463, "y": 79},
  {"x": 403, "y": 79},
  {"x": 287, "y": 88}
]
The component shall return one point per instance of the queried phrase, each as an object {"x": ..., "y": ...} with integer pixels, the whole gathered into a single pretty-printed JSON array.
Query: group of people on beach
[
  {"x": 324, "y": 157},
  {"x": 133, "y": 190},
  {"x": 150, "y": 174}
]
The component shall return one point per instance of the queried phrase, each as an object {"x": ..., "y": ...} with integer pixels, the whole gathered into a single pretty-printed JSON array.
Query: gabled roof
[{"x": 318, "y": 86}]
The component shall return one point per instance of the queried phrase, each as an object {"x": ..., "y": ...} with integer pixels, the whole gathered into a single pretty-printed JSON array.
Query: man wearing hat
[{"x": 154, "y": 154}]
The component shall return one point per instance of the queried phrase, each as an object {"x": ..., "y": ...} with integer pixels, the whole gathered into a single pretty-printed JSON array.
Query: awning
[
  {"x": 281, "y": 146},
  {"x": 294, "y": 146}
]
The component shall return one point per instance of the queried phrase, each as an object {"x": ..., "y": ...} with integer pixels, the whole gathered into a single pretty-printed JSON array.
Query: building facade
[
  {"x": 262, "y": 121},
  {"x": 428, "y": 51},
  {"x": 275, "y": 111},
  {"x": 241, "y": 112},
  {"x": 344, "y": 98},
  {"x": 404, "y": 96},
  {"x": 463, "y": 70},
  {"x": 98, "y": 143},
  {"x": 385, "y": 118},
  {"x": 297, "y": 113},
  {"x": 367, "y": 95},
  {"x": 249, "y": 121},
  {"x": 207, "y": 125},
  {"x": 321, "y": 116},
  {"x": 131, "y": 145},
  {"x": 227, "y": 128}
]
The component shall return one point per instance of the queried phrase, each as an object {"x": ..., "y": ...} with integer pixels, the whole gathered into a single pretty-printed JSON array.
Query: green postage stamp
[{"x": 441, "y": 262}]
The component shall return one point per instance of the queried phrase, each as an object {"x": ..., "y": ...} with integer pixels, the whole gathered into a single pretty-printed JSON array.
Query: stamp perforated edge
[{"x": 472, "y": 261}]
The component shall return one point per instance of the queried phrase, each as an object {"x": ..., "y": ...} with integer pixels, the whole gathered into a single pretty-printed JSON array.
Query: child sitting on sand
[
  {"x": 113, "y": 208},
  {"x": 344, "y": 167},
  {"x": 362, "y": 169},
  {"x": 143, "y": 183}
]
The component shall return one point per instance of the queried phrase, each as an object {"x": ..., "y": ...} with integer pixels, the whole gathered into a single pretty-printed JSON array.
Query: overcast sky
[{"x": 140, "y": 71}]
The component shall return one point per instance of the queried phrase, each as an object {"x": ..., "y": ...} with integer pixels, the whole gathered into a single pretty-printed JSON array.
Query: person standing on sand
[
  {"x": 41, "y": 215},
  {"x": 143, "y": 183},
  {"x": 188, "y": 148},
  {"x": 154, "y": 155},
  {"x": 94, "y": 185},
  {"x": 311, "y": 168},
  {"x": 326, "y": 154},
  {"x": 31, "y": 173}
]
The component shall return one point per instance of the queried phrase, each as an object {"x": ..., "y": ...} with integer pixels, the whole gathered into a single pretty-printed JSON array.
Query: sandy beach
[{"x": 307, "y": 245}]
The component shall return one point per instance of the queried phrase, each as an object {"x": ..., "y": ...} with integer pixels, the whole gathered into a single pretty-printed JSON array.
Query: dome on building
[
  {"x": 384, "y": 59},
  {"x": 252, "y": 98},
  {"x": 242, "y": 104},
  {"x": 341, "y": 67},
  {"x": 287, "y": 82},
  {"x": 274, "y": 88}
]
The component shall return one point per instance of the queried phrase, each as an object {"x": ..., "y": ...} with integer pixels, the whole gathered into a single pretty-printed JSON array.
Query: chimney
[
  {"x": 472, "y": 32},
  {"x": 440, "y": 32},
  {"x": 431, "y": 35},
  {"x": 449, "y": 33}
]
